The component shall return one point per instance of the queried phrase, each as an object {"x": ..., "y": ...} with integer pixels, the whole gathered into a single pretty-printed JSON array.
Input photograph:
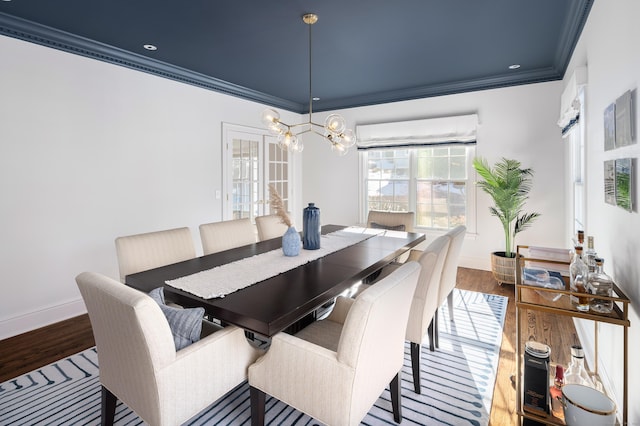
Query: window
[
  {"x": 576, "y": 146},
  {"x": 571, "y": 121},
  {"x": 432, "y": 181},
  {"x": 422, "y": 166}
]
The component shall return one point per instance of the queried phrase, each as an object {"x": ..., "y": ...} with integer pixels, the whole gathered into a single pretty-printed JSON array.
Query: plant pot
[{"x": 503, "y": 268}]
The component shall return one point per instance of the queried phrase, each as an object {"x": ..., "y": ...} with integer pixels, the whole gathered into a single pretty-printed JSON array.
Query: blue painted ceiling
[{"x": 364, "y": 52}]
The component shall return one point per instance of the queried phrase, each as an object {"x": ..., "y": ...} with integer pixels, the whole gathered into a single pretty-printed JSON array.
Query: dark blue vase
[{"x": 311, "y": 227}]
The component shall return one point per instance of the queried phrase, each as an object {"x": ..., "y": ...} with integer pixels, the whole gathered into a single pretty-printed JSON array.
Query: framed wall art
[
  {"x": 624, "y": 183},
  {"x": 619, "y": 121},
  {"x": 624, "y": 131},
  {"x": 610, "y": 182},
  {"x": 610, "y": 127}
]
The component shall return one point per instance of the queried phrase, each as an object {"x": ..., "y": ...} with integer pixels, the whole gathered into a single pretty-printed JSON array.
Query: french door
[{"x": 251, "y": 162}]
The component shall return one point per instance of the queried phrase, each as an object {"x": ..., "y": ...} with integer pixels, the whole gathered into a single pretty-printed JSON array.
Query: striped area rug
[{"x": 457, "y": 384}]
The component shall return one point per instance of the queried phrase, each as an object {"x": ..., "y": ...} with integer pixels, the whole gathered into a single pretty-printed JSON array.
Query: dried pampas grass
[{"x": 278, "y": 205}]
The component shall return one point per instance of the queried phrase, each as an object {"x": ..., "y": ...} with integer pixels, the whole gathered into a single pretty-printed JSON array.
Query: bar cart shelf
[{"x": 535, "y": 298}]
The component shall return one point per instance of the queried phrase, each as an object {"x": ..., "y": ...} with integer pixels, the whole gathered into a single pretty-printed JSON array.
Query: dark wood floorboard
[
  {"x": 29, "y": 351},
  {"x": 26, "y": 352}
]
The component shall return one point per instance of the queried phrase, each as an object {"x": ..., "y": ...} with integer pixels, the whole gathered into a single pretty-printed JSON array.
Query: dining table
[{"x": 278, "y": 302}]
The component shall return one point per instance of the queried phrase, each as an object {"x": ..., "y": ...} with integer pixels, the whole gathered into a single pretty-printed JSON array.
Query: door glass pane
[
  {"x": 245, "y": 177},
  {"x": 278, "y": 175}
]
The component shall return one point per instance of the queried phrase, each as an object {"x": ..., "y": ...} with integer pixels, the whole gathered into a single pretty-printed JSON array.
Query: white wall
[
  {"x": 516, "y": 122},
  {"x": 609, "y": 48},
  {"x": 90, "y": 151}
]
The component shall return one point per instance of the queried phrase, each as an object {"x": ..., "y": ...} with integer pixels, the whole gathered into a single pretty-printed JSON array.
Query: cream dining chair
[
  {"x": 393, "y": 221},
  {"x": 139, "y": 364},
  {"x": 397, "y": 221},
  {"x": 425, "y": 303},
  {"x": 270, "y": 226},
  {"x": 225, "y": 235},
  {"x": 141, "y": 252},
  {"x": 422, "y": 317},
  {"x": 450, "y": 272},
  {"x": 335, "y": 369}
]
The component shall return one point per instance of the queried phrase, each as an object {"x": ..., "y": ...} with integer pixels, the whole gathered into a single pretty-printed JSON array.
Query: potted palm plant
[{"x": 508, "y": 184}]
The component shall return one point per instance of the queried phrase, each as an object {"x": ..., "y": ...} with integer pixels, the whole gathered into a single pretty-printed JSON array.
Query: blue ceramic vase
[
  {"x": 291, "y": 242},
  {"x": 311, "y": 227}
]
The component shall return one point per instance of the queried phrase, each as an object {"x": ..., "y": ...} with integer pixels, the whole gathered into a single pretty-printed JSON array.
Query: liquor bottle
[
  {"x": 589, "y": 255},
  {"x": 555, "y": 391},
  {"x": 576, "y": 372},
  {"x": 600, "y": 284},
  {"x": 578, "y": 278}
]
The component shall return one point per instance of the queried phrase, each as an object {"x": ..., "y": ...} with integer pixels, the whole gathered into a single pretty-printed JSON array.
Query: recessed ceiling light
[
  {"x": 150, "y": 47},
  {"x": 514, "y": 66}
]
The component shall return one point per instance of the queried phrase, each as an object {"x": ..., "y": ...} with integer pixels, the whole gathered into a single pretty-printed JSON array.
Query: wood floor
[{"x": 26, "y": 352}]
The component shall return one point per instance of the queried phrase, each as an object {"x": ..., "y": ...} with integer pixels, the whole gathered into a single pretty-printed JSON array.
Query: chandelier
[{"x": 289, "y": 135}]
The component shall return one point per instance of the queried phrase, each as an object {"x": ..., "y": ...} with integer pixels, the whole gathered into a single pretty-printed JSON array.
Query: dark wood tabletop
[{"x": 272, "y": 305}]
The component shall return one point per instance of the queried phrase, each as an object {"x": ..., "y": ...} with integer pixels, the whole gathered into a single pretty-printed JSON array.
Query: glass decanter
[
  {"x": 578, "y": 276},
  {"x": 600, "y": 284},
  {"x": 576, "y": 373}
]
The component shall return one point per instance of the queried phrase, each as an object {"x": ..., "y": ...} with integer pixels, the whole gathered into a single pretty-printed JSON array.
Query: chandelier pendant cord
[
  {"x": 310, "y": 93},
  {"x": 334, "y": 130}
]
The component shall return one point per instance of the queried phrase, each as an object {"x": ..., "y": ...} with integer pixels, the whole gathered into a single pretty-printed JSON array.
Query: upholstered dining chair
[
  {"x": 422, "y": 317},
  {"x": 450, "y": 271},
  {"x": 140, "y": 252},
  {"x": 397, "y": 221},
  {"x": 225, "y": 235},
  {"x": 335, "y": 369},
  {"x": 270, "y": 226},
  {"x": 139, "y": 364},
  {"x": 390, "y": 220},
  {"x": 425, "y": 303}
]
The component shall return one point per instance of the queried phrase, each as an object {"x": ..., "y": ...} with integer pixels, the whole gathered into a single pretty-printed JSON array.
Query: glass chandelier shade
[{"x": 289, "y": 135}]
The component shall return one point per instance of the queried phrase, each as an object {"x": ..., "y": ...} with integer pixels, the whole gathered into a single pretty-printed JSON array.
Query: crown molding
[
  {"x": 23, "y": 29},
  {"x": 578, "y": 13},
  {"x": 516, "y": 79}
]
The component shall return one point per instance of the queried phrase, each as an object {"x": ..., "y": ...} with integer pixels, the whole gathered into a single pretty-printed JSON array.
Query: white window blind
[
  {"x": 570, "y": 101},
  {"x": 455, "y": 130}
]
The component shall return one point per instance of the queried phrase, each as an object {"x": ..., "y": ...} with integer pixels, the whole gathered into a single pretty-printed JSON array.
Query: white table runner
[{"x": 231, "y": 277}]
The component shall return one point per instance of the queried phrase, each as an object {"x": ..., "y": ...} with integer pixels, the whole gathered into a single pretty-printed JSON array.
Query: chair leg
[
  {"x": 450, "y": 303},
  {"x": 257, "y": 406},
  {"x": 396, "y": 396},
  {"x": 432, "y": 335},
  {"x": 436, "y": 329},
  {"x": 415, "y": 366},
  {"x": 108, "y": 408}
]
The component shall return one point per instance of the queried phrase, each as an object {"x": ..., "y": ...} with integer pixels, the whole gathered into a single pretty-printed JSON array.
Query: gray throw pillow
[
  {"x": 185, "y": 324},
  {"x": 389, "y": 227}
]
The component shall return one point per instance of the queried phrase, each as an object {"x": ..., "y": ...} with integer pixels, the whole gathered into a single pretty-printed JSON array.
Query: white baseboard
[{"x": 31, "y": 321}]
